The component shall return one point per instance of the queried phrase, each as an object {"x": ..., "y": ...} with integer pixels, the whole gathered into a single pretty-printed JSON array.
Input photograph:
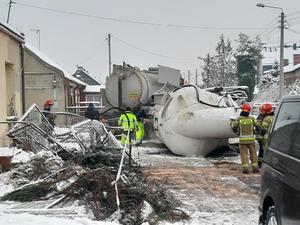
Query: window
[
  {"x": 89, "y": 98},
  {"x": 285, "y": 124},
  {"x": 295, "y": 151}
]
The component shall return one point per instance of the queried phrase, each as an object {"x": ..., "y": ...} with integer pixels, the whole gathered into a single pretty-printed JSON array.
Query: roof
[
  {"x": 12, "y": 32},
  {"x": 52, "y": 63},
  {"x": 84, "y": 76},
  {"x": 272, "y": 55},
  {"x": 93, "y": 88},
  {"x": 290, "y": 68}
]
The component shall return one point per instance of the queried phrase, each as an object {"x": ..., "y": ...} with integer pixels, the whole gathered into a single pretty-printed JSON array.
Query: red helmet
[
  {"x": 266, "y": 108},
  {"x": 246, "y": 107},
  {"x": 49, "y": 102}
]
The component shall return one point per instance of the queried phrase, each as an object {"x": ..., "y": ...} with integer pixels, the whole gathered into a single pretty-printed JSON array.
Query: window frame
[{"x": 279, "y": 109}]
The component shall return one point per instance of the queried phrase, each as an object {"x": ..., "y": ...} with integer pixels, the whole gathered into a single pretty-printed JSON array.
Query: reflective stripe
[
  {"x": 247, "y": 139},
  {"x": 254, "y": 164},
  {"x": 246, "y": 165}
]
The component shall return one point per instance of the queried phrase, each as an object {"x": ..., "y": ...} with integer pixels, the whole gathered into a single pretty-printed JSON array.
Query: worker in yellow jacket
[
  {"x": 244, "y": 127},
  {"x": 132, "y": 126}
]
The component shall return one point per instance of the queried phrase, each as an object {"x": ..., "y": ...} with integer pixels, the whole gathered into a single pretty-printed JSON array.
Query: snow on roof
[
  {"x": 11, "y": 31},
  {"x": 271, "y": 56},
  {"x": 52, "y": 63},
  {"x": 291, "y": 68},
  {"x": 93, "y": 88}
]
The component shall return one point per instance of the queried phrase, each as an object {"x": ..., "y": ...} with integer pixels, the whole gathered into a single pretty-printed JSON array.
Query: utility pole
[
  {"x": 109, "y": 54},
  {"x": 9, "y": 7},
  {"x": 281, "y": 75},
  {"x": 189, "y": 77}
]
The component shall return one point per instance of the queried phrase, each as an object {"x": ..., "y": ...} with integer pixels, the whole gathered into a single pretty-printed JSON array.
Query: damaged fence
[{"x": 81, "y": 160}]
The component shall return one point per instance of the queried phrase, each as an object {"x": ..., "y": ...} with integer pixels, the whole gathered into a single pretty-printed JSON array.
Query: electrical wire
[
  {"x": 136, "y": 21},
  {"x": 266, "y": 28},
  {"x": 268, "y": 34},
  {"x": 294, "y": 31},
  {"x": 149, "y": 52},
  {"x": 96, "y": 50}
]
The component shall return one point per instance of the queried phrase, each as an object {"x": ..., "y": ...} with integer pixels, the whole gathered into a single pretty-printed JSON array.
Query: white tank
[
  {"x": 193, "y": 122},
  {"x": 135, "y": 86}
]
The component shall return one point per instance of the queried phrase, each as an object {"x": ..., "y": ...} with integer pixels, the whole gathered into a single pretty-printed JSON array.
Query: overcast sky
[{"x": 71, "y": 40}]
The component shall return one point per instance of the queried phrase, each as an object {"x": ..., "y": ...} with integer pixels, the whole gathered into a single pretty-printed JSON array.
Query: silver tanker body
[
  {"x": 129, "y": 86},
  {"x": 193, "y": 122}
]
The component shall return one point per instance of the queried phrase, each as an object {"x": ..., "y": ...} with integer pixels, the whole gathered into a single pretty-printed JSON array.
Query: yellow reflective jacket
[
  {"x": 245, "y": 125},
  {"x": 265, "y": 126},
  {"x": 124, "y": 122}
]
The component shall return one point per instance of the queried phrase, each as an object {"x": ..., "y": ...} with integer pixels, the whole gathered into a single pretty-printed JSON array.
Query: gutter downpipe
[{"x": 22, "y": 78}]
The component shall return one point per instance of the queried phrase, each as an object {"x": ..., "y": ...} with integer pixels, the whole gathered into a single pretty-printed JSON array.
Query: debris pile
[{"x": 90, "y": 176}]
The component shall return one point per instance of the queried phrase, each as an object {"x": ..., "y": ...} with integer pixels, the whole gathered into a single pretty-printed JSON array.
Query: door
[
  {"x": 291, "y": 209},
  {"x": 279, "y": 159}
]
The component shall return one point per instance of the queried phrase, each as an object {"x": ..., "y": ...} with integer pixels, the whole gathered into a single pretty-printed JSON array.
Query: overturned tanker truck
[
  {"x": 190, "y": 121},
  {"x": 193, "y": 122}
]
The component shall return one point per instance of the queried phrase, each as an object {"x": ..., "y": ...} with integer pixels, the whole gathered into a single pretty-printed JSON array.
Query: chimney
[
  {"x": 296, "y": 59},
  {"x": 285, "y": 62}
]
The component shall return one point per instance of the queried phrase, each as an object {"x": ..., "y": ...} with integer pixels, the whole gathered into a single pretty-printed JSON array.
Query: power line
[
  {"x": 92, "y": 55},
  {"x": 149, "y": 52},
  {"x": 294, "y": 31},
  {"x": 136, "y": 21},
  {"x": 268, "y": 33},
  {"x": 266, "y": 28}
]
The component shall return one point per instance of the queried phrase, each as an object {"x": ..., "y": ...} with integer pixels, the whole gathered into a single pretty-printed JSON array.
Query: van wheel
[{"x": 271, "y": 218}]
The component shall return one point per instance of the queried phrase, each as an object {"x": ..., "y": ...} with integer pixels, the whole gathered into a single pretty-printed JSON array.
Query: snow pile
[
  {"x": 27, "y": 219},
  {"x": 40, "y": 165}
]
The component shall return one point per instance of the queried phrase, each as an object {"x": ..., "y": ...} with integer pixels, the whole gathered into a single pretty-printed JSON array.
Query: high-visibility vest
[
  {"x": 124, "y": 122},
  {"x": 246, "y": 129},
  {"x": 266, "y": 123}
]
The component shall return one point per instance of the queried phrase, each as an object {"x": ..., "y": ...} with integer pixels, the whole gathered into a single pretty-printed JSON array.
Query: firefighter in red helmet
[
  {"x": 267, "y": 110},
  {"x": 47, "y": 111},
  {"x": 244, "y": 127}
]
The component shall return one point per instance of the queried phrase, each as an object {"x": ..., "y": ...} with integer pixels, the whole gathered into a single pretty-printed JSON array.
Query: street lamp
[
  {"x": 281, "y": 79},
  {"x": 37, "y": 31}
]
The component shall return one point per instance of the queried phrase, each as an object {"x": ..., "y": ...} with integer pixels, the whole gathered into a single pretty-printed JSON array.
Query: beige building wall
[
  {"x": 10, "y": 82},
  {"x": 42, "y": 82}
]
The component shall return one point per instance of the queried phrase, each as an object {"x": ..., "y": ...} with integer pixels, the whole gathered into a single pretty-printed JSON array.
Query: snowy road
[{"x": 213, "y": 191}]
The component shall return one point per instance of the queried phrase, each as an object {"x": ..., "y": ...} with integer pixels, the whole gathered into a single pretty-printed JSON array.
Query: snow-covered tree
[
  {"x": 248, "y": 55},
  {"x": 225, "y": 63},
  {"x": 209, "y": 71},
  {"x": 219, "y": 70},
  {"x": 294, "y": 89}
]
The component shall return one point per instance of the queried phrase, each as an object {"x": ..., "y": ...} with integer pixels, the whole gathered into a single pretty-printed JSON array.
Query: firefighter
[
  {"x": 258, "y": 135},
  {"x": 244, "y": 126},
  {"x": 125, "y": 127},
  {"x": 47, "y": 111},
  {"x": 267, "y": 110}
]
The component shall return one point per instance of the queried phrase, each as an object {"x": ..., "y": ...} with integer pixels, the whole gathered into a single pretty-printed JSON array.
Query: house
[
  {"x": 11, "y": 77},
  {"x": 45, "y": 79},
  {"x": 271, "y": 57},
  {"x": 83, "y": 75},
  {"x": 92, "y": 90},
  {"x": 291, "y": 74}
]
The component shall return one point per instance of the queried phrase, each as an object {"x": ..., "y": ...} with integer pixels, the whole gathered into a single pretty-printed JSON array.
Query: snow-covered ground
[
  {"x": 197, "y": 182},
  {"x": 205, "y": 204}
]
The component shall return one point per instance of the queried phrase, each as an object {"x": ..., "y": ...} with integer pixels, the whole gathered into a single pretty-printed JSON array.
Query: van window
[
  {"x": 295, "y": 151},
  {"x": 286, "y": 122}
]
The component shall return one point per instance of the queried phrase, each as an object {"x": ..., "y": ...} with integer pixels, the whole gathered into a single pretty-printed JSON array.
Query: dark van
[{"x": 280, "y": 173}]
